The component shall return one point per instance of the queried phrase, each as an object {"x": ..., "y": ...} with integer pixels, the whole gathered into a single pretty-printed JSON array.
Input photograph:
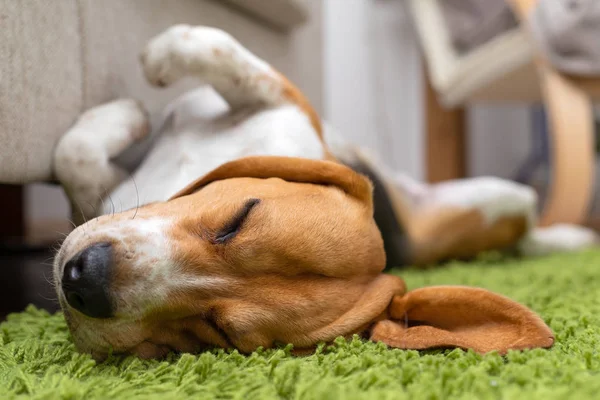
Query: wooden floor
[{"x": 25, "y": 278}]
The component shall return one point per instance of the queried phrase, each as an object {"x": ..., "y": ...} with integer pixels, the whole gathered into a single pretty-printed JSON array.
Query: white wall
[
  {"x": 373, "y": 79},
  {"x": 374, "y": 92},
  {"x": 498, "y": 138}
]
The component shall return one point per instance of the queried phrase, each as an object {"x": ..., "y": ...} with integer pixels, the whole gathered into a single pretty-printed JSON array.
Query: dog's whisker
[
  {"x": 112, "y": 204},
  {"x": 52, "y": 284},
  {"x": 137, "y": 194},
  {"x": 63, "y": 236},
  {"x": 52, "y": 300},
  {"x": 102, "y": 200},
  {"x": 48, "y": 259},
  {"x": 93, "y": 208},
  {"x": 83, "y": 217},
  {"x": 50, "y": 279}
]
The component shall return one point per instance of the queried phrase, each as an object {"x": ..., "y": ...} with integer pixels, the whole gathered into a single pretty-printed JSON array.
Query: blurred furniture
[
  {"x": 59, "y": 58},
  {"x": 11, "y": 212},
  {"x": 508, "y": 68}
]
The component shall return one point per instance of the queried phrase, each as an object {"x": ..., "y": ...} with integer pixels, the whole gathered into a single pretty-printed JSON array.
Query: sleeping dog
[{"x": 247, "y": 224}]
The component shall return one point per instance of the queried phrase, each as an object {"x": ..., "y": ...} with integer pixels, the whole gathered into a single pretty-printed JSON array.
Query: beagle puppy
[{"x": 246, "y": 223}]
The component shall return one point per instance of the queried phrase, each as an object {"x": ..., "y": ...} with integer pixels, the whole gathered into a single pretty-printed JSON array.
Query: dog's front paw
[
  {"x": 160, "y": 60},
  {"x": 185, "y": 49}
]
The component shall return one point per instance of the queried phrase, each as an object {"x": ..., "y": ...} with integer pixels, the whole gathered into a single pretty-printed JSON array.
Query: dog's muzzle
[{"x": 85, "y": 281}]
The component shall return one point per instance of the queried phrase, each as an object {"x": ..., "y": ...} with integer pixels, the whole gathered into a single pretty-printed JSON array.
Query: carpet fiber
[{"x": 37, "y": 360}]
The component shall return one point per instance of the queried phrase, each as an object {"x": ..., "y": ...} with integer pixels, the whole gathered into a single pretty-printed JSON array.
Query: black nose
[{"x": 85, "y": 281}]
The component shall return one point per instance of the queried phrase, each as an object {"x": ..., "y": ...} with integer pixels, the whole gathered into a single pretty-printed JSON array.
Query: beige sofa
[{"x": 60, "y": 57}]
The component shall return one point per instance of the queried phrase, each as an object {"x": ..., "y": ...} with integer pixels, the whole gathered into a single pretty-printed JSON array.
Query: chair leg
[
  {"x": 445, "y": 140},
  {"x": 571, "y": 121}
]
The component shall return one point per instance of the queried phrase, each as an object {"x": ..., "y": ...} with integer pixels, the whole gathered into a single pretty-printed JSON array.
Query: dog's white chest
[{"x": 194, "y": 148}]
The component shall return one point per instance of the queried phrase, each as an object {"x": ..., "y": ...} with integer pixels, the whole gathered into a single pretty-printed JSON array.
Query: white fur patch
[
  {"x": 215, "y": 57},
  {"x": 192, "y": 150},
  {"x": 495, "y": 198},
  {"x": 146, "y": 250},
  {"x": 255, "y": 119},
  {"x": 142, "y": 245},
  {"x": 82, "y": 156},
  {"x": 557, "y": 238}
]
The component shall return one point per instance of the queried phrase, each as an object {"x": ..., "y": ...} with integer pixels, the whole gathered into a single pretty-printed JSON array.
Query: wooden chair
[{"x": 510, "y": 69}]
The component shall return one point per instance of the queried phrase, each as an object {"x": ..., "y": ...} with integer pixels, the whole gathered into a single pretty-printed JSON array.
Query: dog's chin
[
  {"x": 145, "y": 350},
  {"x": 102, "y": 338}
]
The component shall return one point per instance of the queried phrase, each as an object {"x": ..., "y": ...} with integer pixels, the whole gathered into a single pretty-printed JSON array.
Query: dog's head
[{"x": 261, "y": 251}]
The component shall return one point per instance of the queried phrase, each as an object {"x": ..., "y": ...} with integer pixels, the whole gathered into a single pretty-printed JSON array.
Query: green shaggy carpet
[{"x": 37, "y": 360}]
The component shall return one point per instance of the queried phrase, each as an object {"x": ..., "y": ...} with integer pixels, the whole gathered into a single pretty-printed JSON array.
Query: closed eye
[{"x": 233, "y": 226}]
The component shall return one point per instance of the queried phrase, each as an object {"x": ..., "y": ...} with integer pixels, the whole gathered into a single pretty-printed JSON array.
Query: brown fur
[
  {"x": 456, "y": 316},
  {"x": 306, "y": 268},
  {"x": 449, "y": 233}
]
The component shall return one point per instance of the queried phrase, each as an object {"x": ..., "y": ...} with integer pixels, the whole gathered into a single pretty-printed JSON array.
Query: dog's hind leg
[
  {"x": 83, "y": 157},
  {"x": 218, "y": 59}
]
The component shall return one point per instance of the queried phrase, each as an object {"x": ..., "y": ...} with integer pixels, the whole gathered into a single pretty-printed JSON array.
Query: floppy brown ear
[
  {"x": 290, "y": 169},
  {"x": 463, "y": 317}
]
